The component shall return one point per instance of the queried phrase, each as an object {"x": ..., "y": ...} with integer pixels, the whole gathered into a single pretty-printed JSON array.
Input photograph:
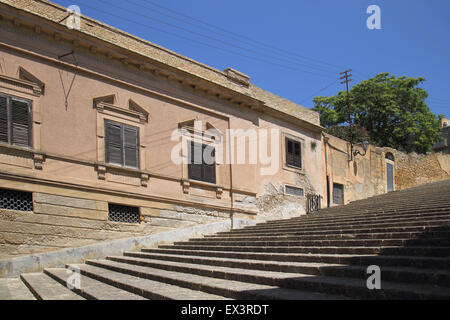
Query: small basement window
[
  {"x": 16, "y": 200},
  {"x": 294, "y": 191},
  {"x": 120, "y": 213}
]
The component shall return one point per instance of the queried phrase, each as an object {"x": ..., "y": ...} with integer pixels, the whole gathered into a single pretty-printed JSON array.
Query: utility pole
[{"x": 347, "y": 76}]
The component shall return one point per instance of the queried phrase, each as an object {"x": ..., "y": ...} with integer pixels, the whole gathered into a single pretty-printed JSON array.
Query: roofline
[{"x": 162, "y": 56}]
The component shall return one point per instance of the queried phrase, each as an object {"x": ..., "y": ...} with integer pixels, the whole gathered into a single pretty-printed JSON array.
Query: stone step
[
  {"x": 367, "y": 235},
  {"x": 44, "y": 287},
  {"x": 397, "y": 201},
  {"x": 294, "y": 232},
  {"x": 396, "y": 274},
  {"x": 147, "y": 288},
  {"x": 415, "y": 205},
  {"x": 183, "y": 282},
  {"x": 427, "y": 197},
  {"x": 442, "y": 252},
  {"x": 437, "y": 223},
  {"x": 360, "y": 217},
  {"x": 351, "y": 287},
  {"x": 90, "y": 288},
  {"x": 347, "y": 259},
  {"x": 335, "y": 243},
  {"x": 14, "y": 289},
  {"x": 367, "y": 222},
  {"x": 432, "y": 190},
  {"x": 386, "y": 205}
]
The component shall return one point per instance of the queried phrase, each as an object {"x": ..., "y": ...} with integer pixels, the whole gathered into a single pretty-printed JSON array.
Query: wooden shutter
[
  {"x": 130, "y": 139},
  {"x": 113, "y": 143},
  {"x": 297, "y": 154},
  {"x": 209, "y": 169},
  {"x": 3, "y": 119},
  {"x": 289, "y": 152},
  {"x": 194, "y": 169},
  {"x": 20, "y": 122}
]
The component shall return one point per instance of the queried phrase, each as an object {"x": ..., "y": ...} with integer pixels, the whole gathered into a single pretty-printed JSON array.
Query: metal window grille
[
  {"x": 119, "y": 213},
  {"x": 16, "y": 200}
]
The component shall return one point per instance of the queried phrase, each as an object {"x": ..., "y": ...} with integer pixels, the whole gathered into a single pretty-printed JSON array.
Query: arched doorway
[{"x": 390, "y": 166}]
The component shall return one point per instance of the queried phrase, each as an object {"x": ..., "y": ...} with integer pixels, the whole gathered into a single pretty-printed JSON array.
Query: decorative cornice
[
  {"x": 101, "y": 106},
  {"x": 38, "y": 159},
  {"x": 32, "y": 87}
]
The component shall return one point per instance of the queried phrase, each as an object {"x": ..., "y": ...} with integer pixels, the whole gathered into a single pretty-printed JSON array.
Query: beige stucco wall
[
  {"x": 410, "y": 170},
  {"x": 67, "y": 160}
]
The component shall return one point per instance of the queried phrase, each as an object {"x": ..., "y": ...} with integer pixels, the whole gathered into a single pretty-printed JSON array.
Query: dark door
[
  {"x": 338, "y": 193},
  {"x": 328, "y": 192}
]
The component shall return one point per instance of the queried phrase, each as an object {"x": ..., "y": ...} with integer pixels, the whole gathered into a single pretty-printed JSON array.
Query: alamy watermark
[
  {"x": 374, "y": 20},
  {"x": 229, "y": 147},
  {"x": 374, "y": 280}
]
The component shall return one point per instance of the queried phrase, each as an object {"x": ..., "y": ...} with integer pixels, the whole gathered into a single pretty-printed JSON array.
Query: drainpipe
[
  {"x": 325, "y": 142},
  {"x": 231, "y": 177}
]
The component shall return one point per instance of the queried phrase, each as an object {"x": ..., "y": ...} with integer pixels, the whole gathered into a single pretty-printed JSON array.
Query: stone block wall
[
  {"x": 59, "y": 222},
  {"x": 417, "y": 169},
  {"x": 366, "y": 176}
]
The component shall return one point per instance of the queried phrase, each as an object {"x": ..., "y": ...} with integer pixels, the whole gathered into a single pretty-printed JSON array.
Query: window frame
[
  {"x": 122, "y": 144},
  {"x": 10, "y": 137},
  {"x": 286, "y": 150},
  {"x": 292, "y": 188}
]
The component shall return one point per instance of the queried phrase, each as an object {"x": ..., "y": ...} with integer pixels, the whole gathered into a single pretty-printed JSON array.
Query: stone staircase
[{"x": 324, "y": 255}]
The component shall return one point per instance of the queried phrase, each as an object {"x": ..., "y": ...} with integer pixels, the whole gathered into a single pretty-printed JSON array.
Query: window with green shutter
[
  {"x": 201, "y": 162},
  {"x": 121, "y": 144},
  {"x": 15, "y": 121}
]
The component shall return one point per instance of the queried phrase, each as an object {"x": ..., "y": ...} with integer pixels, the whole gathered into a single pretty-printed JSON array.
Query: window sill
[
  {"x": 102, "y": 168},
  {"x": 293, "y": 168},
  {"x": 186, "y": 183},
  {"x": 37, "y": 156}
]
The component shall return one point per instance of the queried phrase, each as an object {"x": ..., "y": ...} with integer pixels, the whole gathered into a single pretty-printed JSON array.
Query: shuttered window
[
  {"x": 121, "y": 144},
  {"x": 201, "y": 162},
  {"x": 15, "y": 121},
  {"x": 293, "y": 153}
]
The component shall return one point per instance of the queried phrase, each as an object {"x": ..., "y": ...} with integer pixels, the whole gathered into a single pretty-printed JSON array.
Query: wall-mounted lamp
[{"x": 365, "y": 146}]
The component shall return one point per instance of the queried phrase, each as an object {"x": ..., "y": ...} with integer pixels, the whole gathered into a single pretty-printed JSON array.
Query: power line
[
  {"x": 319, "y": 91},
  {"x": 207, "y": 44},
  {"x": 260, "y": 44},
  {"x": 235, "y": 35},
  {"x": 259, "y": 53}
]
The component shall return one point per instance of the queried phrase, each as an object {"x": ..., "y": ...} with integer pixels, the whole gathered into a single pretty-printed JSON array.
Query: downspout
[
  {"x": 325, "y": 142},
  {"x": 231, "y": 175}
]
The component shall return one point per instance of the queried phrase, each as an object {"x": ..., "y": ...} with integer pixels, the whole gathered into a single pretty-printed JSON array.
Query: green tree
[{"x": 392, "y": 110}]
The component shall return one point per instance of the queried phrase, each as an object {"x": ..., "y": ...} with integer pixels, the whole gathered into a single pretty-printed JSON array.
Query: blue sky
[{"x": 296, "y": 48}]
